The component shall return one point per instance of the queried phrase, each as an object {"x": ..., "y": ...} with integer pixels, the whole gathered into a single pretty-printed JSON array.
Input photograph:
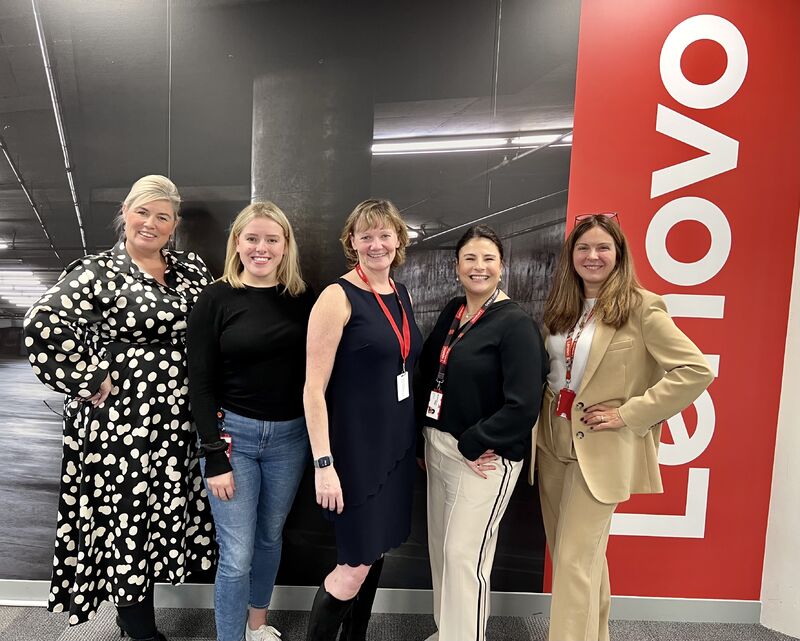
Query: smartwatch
[{"x": 323, "y": 461}]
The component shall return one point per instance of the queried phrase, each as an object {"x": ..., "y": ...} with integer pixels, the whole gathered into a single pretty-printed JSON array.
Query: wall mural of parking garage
[{"x": 457, "y": 116}]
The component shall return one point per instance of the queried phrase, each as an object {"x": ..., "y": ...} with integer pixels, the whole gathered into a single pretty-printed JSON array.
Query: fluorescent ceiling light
[
  {"x": 3, "y": 246},
  {"x": 14, "y": 272},
  {"x": 19, "y": 281},
  {"x": 22, "y": 289},
  {"x": 458, "y": 144},
  {"x": 538, "y": 139},
  {"x": 467, "y": 142},
  {"x": 28, "y": 285},
  {"x": 413, "y": 233},
  {"x": 20, "y": 294}
]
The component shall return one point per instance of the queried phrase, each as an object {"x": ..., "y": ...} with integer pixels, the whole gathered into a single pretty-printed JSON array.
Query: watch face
[{"x": 323, "y": 461}]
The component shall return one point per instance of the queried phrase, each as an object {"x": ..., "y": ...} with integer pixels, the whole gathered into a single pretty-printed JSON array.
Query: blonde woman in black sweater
[{"x": 246, "y": 346}]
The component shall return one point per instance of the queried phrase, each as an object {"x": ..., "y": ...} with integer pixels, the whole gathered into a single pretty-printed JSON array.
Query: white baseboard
[{"x": 634, "y": 608}]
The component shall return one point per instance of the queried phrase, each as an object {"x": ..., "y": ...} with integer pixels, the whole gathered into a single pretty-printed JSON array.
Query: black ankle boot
[
  {"x": 354, "y": 626},
  {"x": 326, "y": 616},
  {"x": 123, "y": 633}
]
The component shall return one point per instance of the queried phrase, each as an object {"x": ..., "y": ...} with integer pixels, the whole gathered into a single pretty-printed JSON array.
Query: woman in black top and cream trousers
[{"x": 481, "y": 375}]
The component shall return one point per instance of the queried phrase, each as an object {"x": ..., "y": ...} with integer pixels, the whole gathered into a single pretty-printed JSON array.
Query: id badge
[
  {"x": 564, "y": 403},
  {"x": 434, "y": 405},
  {"x": 227, "y": 438},
  {"x": 402, "y": 386}
]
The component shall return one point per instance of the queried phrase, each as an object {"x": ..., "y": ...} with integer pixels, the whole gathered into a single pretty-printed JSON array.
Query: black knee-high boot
[
  {"x": 354, "y": 626},
  {"x": 326, "y": 616}
]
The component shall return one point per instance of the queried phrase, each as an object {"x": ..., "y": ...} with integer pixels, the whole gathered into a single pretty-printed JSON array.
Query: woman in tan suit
[{"x": 619, "y": 367}]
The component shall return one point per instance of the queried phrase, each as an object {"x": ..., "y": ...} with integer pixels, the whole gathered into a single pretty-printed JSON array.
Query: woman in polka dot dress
[{"x": 110, "y": 335}]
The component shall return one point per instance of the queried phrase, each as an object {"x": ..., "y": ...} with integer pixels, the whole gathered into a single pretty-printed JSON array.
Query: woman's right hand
[
  {"x": 222, "y": 486},
  {"x": 329, "y": 489},
  {"x": 99, "y": 397}
]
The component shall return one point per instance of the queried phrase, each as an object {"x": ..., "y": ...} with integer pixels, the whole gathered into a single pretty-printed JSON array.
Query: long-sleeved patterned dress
[{"x": 132, "y": 507}]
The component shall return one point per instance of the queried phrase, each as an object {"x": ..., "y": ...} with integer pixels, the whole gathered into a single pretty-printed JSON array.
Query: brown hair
[
  {"x": 618, "y": 295},
  {"x": 289, "y": 269},
  {"x": 371, "y": 214}
]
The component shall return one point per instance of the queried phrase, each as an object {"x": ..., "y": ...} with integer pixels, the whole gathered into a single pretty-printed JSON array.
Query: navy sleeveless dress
[{"x": 372, "y": 434}]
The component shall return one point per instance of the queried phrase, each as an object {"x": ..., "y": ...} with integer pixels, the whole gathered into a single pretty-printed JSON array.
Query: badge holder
[
  {"x": 434, "y": 404},
  {"x": 564, "y": 402}
]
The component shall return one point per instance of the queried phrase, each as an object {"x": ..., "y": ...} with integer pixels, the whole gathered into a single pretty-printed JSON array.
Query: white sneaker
[{"x": 264, "y": 633}]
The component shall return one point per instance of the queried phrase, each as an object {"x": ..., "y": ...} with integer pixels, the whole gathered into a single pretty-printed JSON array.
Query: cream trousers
[
  {"x": 464, "y": 514},
  {"x": 577, "y": 526}
]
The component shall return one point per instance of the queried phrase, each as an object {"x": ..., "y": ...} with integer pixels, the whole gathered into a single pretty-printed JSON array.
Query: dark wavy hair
[{"x": 480, "y": 231}]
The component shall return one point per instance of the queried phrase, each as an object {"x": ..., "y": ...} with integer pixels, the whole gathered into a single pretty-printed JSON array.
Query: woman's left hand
[{"x": 602, "y": 416}]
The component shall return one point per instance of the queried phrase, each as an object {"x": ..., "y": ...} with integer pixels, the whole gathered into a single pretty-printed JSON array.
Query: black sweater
[
  {"x": 493, "y": 382},
  {"x": 246, "y": 350}
]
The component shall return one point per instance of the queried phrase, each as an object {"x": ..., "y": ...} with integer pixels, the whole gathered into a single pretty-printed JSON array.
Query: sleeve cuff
[
  {"x": 216, "y": 464},
  {"x": 469, "y": 447},
  {"x": 637, "y": 428}
]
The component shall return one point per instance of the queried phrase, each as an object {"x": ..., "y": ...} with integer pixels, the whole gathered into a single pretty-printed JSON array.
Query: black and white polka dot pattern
[{"x": 132, "y": 504}]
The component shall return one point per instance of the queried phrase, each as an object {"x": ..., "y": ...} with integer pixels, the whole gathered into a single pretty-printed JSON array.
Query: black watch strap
[{"x": 323, "y": 461}]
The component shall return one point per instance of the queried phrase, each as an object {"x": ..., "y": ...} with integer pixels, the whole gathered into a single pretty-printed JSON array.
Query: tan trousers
[
  {"x": 464, "y": 513},
  {"x": 577, "y": 526}
]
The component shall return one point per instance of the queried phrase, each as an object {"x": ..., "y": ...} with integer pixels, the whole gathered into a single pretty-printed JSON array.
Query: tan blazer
[{"x": 651, "y": 371}]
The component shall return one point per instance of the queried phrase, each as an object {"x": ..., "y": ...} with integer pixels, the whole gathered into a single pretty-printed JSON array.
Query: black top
[
  {"x": 493, "y": 382},
  {"x": 370, "y": 430},
  {"x": 247, "y": 353}
]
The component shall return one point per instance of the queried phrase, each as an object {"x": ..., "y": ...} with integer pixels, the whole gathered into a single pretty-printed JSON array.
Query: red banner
[{"x": 686, "y": 124}]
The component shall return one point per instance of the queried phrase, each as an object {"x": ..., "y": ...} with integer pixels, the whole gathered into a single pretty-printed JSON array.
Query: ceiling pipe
[
  {"x": 488, "y": 172},
  {"x": 57, "y": 112},
  {"x": 29, "y": 196},
  {"x": 483, "y": 219}
]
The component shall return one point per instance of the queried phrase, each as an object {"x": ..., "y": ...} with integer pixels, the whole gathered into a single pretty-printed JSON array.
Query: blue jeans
[{"x": 268, "y": 458}]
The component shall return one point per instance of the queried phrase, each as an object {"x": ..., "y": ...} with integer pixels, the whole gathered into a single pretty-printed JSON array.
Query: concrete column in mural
[{"x": 312, "y": 131}]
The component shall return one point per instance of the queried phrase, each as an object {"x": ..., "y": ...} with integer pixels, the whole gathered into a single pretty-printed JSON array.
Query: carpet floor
[{"x": 36, "y": 624}]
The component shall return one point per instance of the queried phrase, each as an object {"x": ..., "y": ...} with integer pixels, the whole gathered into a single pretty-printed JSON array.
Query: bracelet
[{"x": 212, "y": 448}]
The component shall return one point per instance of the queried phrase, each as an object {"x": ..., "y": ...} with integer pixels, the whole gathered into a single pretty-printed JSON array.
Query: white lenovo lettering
[{"x": 722, "y": 154}]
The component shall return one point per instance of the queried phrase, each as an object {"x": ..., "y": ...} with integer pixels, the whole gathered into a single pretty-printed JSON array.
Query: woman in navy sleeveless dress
[{"x": 362, "y": 347}]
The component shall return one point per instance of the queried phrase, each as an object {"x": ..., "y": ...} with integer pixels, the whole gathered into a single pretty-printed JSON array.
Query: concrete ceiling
[{"x": 128, "y": 112}]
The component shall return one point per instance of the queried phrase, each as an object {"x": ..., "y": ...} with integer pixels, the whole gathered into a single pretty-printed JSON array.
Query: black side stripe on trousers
[{"x": 494, "y": 517}]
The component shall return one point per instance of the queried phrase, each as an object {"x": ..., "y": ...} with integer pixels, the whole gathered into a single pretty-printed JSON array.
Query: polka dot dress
[{"x": 132, "y": 506}]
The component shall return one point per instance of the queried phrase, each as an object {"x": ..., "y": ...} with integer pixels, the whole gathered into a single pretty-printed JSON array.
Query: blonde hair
[
  {"x": 618, "y": 295},
  {"x": 146, "y": 190},
  {"x": 372, "y": 214},
  {"x": 289, "y": 274}
]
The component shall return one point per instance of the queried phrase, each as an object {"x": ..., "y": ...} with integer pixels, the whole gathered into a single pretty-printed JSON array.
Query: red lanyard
[
  {"x": 572, "y": 343},
  {"x": 450, "y": 343},
  {"x": 405, "y": 338}
]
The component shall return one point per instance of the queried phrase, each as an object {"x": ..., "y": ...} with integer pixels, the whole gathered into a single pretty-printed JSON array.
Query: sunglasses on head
[{"x": 604, "y": 214}]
